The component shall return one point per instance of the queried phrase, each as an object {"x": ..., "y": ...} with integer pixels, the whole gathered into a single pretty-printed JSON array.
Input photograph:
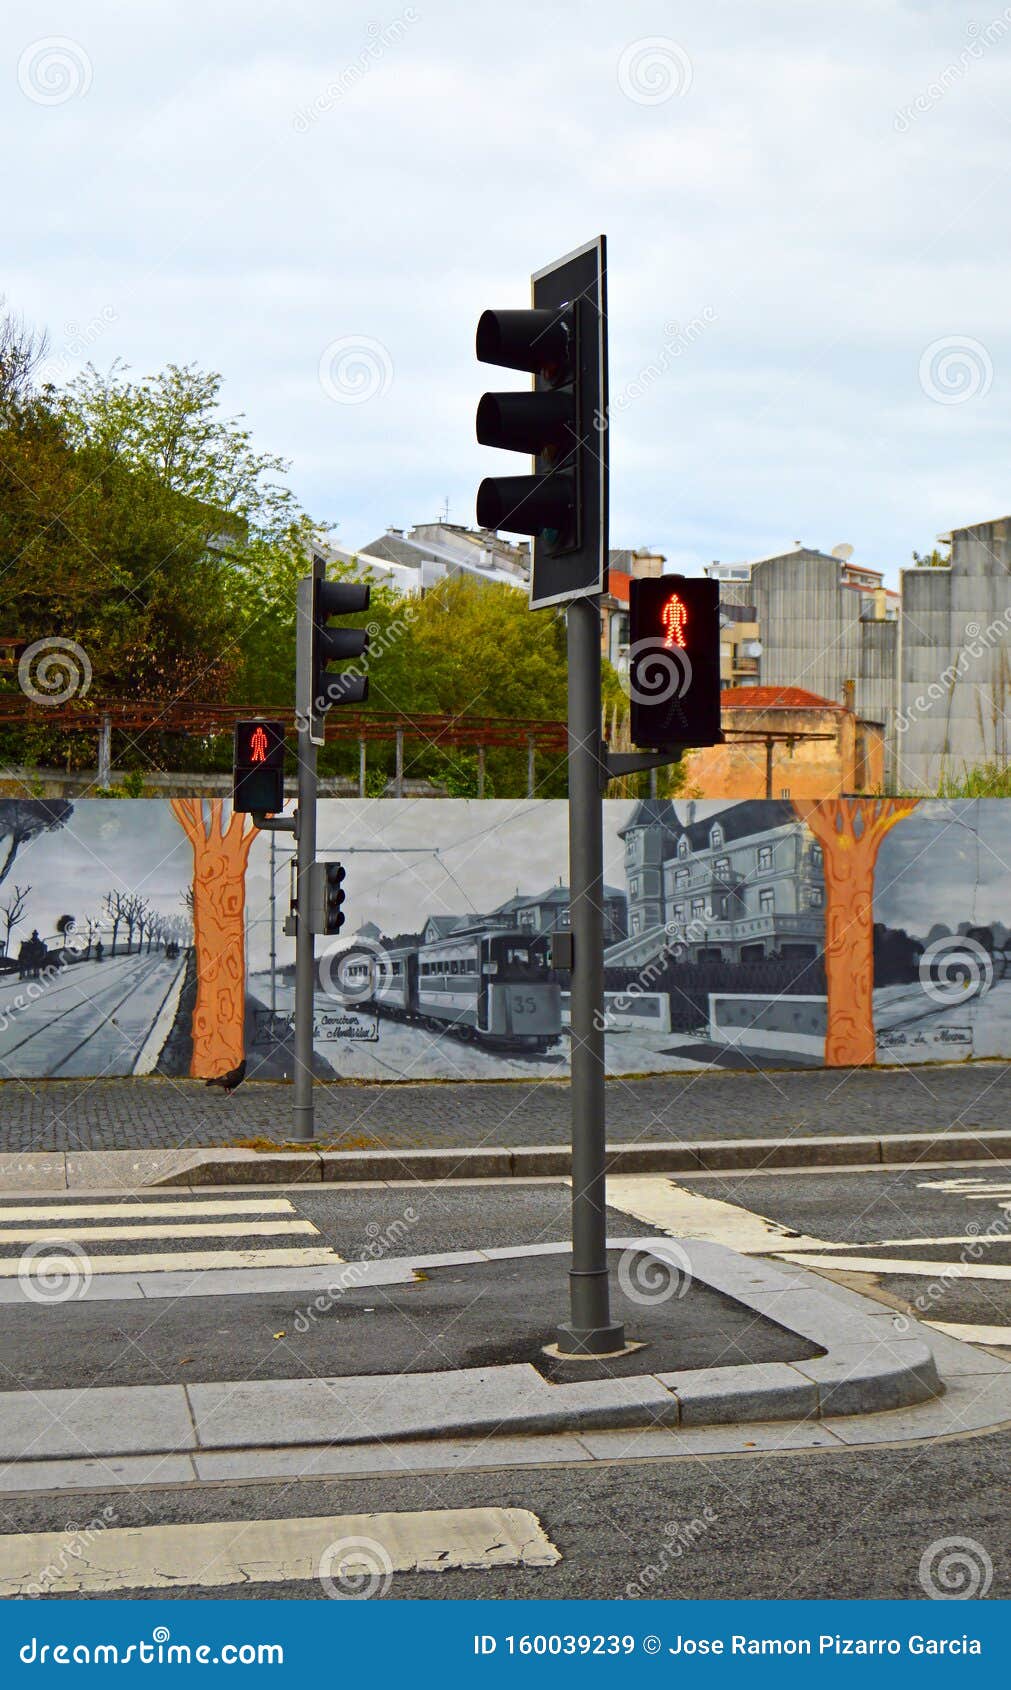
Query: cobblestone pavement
[{"x": 128, "y": 1114}]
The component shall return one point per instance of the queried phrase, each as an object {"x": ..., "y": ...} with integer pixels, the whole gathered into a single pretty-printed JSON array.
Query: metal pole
[
  {"x": 273, "y": 933},
  {"x": 532, "y": 758},
  {"x": 305, "y": 944},
  {"x": 105, "y": 751},
  {"x": 770, "y": 746},
  {"x": 398, "y": 784},
  {"x": 591, "y": 1330},
  {"x": 480, "y": 771},
  {"x": 361, "y": 768}
]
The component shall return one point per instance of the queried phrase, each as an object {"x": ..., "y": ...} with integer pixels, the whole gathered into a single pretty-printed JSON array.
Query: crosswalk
[
  {"x": 54, "y": 1251},
  {"x": 351, "y": 1555}
]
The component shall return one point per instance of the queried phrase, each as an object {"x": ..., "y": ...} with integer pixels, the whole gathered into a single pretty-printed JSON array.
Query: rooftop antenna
[{"x": 445, "y": 509}]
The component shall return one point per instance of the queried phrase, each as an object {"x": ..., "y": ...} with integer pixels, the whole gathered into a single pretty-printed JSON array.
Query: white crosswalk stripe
[
  {"x": 99, "y": 1237},
  {"x": 347, "y": 1553}
]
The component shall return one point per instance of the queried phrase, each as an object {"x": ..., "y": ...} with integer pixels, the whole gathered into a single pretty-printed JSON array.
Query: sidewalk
[{"x": 154, "y": 1113}]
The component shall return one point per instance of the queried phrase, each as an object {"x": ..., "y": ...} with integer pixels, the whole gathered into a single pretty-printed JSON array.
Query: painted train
[{"x": 493, "y": 987}]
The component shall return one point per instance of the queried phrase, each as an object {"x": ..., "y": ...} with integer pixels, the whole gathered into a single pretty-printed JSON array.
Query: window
[
  {"x": 721, "y": 868},
  {"x": 635, "y": 921},
  {"x": 816, "y": 856},
  {"x": 716, "y": 836},
  {"x": 679, "y": 912},
  {"x": 683, "y": 846},
  {"x": 765, "y": 856},
  {"x": 817, "y": 898},
  {"x": 767, "y": 900},
  {"x": 698, "y": 906},
  {"x": 633, "y": 888},
  {"x": 682, "y": 876}
]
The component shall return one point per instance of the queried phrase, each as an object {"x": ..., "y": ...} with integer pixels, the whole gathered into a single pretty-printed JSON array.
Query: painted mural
[{"x": 148, "y": 937}]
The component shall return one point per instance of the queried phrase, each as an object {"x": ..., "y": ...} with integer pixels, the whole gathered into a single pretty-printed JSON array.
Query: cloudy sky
[{"x": 806, "y": 208}]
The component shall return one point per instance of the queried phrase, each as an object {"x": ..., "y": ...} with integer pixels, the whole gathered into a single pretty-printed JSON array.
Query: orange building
[{"x": 785, "y": 742}]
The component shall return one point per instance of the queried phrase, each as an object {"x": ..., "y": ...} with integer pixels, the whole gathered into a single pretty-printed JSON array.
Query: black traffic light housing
[
  {"x": 258, "y": 768},
  {"x": 561, "y": 423},
  {"x": 319, "y": 688},
  {"x": 327, "y": 897},
  {"x": 674, "y": 661}
]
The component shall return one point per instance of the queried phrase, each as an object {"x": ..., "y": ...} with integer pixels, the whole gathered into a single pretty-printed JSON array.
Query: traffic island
[{"x": 743, "y": 1342}]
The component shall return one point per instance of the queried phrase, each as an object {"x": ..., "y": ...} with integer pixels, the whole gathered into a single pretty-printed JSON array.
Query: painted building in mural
[{"x": 741, "y": 881}]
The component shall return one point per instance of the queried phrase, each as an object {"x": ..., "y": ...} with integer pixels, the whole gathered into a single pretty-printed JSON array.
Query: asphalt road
[{"x": 816, "y": 1524}]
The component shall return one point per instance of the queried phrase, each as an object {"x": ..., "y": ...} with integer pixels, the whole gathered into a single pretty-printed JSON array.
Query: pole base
[{"x": 590, "y": 1341}]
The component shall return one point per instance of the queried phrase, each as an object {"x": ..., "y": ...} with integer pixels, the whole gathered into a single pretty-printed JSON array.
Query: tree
[
  {"x": 850, "y": 832},
  {"x": 116, "y": 907},
  {"x": 220, "y": 854},
  {"x": 169, "y": 425},
  {"x": 22, "y": 352},
  {"x": 24, "y": 819},
  {"x": 12, "y": 912}
]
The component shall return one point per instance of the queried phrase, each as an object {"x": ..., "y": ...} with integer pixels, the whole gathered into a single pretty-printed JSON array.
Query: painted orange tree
[
  {"x": 220, "y": 854},
  {"x": 850, "y": 832}
]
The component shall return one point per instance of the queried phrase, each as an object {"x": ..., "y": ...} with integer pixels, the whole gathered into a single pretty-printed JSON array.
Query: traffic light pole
[
  {"x": 305, "y": 943},
  {"x": 590, "y": 1330}
]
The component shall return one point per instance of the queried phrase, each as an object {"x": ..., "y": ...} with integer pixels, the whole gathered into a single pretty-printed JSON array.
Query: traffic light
[
  {"x": 674, "y": 661},
  {"x": 319, "y": 688},
  {"x": 562, "y": 423},
  {"x": 258, "y": 768},
  {"x": 326, "y": 897}
]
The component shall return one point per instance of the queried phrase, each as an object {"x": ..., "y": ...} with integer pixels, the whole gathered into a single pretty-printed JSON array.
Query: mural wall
[{"x": 142, "y": 937}]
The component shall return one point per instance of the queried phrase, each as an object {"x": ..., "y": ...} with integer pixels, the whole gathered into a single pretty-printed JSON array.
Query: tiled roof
[{"x": 775, "y": 698}]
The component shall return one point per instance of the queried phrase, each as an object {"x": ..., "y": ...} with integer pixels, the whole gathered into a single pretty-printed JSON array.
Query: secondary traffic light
[
  {"x": 562, "y": 423},
  {"x": 674, "y": 661},
  {"x": 327, "y": 897},
  {"x": 258, "y": 768},
  {"x": 319, "y": 688}
]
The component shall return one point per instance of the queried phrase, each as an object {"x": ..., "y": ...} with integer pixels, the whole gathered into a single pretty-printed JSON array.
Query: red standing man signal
[
  {"x": 675, "y": 622},
  {"x": 258, "y": 746}
]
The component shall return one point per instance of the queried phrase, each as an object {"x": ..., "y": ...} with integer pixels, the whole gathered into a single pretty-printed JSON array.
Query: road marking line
[
  {"x": 973, "y": 1334},
  {"x": 191, "y": 1229},
  {"x": 232, "y": 1552},
  {"x": 183, "y": 1261},
  {"x": 117, "y": 1211},
  {"x": 896, "y": 1265},
  {"x": 687, "y": 1214},
  {"x": 980, "y": 1238}
]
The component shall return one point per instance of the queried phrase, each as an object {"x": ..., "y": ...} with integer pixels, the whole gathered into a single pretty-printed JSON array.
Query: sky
[{"x": 806, "y": 209}]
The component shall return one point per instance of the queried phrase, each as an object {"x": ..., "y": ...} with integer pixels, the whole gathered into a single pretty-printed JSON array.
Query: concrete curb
[
  {"x": 93, "y": 1170},
  {"x": 868, "y": 1367}
]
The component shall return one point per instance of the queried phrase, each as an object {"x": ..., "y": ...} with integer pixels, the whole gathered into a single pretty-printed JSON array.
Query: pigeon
[{"x": 233, "y": 1078}]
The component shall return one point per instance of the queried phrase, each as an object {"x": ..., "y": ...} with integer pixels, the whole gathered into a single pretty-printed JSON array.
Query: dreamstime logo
[
  {"x": 355, "y": 970},
  {"x": 656, "y": 672},
  {"x": 955, "y": 968},
  {"x": 655, "y": 1276},
  {"x": 955, "y": 1569},
  {"x": 954, "y": 369},
  {"x": 654, "y": 70},
  {"x": 54, "y": 1270},
  {"x": 54, "y": 70},
  {"x": 354, "y": 369},
  {"x": 54, "y": 670},
  {"x": 354, "y": 1569}
]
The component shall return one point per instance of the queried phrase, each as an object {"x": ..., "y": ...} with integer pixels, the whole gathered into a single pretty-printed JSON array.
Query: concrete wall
[{"x": 955, "y": 639}]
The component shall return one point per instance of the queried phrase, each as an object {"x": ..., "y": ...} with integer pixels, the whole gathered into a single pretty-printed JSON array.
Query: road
[
  {"x": 89, "y": 1018},
  {"x": 820, "y": 1523}
]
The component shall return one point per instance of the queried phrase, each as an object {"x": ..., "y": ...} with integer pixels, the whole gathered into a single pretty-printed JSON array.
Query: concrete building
[
  {"x": 548, "y": 912},
  {"x": 624, "y": 566},
  {"x": 821, "y": 621},
  {"x": 741, "y": 885},
  {"x": 955, "y": 639},
  {"x": 785, "y": 742},
  {"x": 431, "y": 551}
]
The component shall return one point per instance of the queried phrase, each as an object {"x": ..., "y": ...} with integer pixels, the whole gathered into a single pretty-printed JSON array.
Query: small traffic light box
[
  {"x": 258, "y": 768},
  {"x": 561, "y": 423},
  {"x": 674, "y": 661},
  {"x": 327, "y": 897},
  {"x": 319, "y": 688}
]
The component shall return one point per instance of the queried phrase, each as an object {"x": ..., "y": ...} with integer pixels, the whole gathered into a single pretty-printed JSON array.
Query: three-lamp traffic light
[
  {"x": 327, "y": 897},
  {"x": 674, "y": 661},
  {"x": 318, "y": 686},
  {"x": 562, "y": 342}
]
